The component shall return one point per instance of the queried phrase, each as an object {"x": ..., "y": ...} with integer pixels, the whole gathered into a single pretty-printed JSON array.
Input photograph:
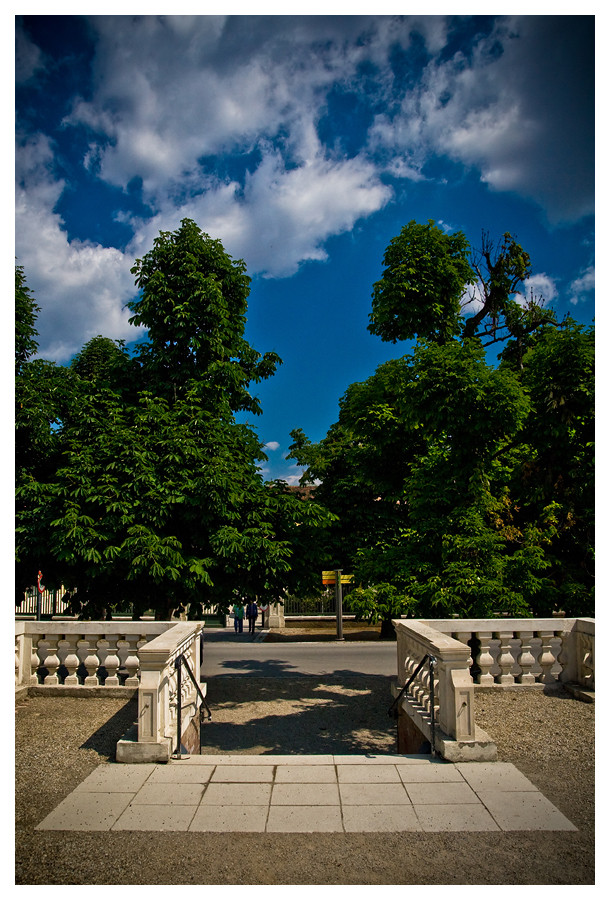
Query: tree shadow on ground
[{"x": 317, "y": 715}]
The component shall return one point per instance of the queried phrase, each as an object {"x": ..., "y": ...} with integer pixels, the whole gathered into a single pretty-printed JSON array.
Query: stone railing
[
  {"x": 157, "y": 732},
  {"x": 486, "y": 653},
  {"x": 451, "y": 730},
  {"x": 77, "y": 655},
  {"x": 526, "y": 652}
]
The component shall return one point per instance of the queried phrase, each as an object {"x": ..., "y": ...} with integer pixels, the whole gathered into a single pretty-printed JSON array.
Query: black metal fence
[{"x": 322, "y": 604}]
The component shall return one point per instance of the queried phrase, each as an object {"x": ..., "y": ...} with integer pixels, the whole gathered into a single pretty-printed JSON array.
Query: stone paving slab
[{"x": 306, "y": 794}]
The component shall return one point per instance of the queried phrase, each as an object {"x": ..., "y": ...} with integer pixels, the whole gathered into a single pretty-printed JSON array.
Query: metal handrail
[
  {"x": 179, "y": 660},
  {"x": 406, "y": 687},
  {"x": 392, "y": 710}
]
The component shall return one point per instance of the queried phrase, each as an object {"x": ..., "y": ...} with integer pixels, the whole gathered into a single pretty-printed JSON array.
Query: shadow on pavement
[{"x": 346, "y": 714}]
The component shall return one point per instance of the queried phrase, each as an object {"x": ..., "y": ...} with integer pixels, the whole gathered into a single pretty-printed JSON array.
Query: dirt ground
[{"x": 323, "y": 631}]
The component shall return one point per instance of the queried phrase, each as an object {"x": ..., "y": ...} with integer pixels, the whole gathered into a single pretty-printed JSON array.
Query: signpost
[{"x": 337, "y": 578}]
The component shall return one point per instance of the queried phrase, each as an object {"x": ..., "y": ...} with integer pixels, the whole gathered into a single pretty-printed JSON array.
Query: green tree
[
  {"x": 193, "y": 303},
  {"x": 154, "y": 496},
  {"x": 416, "y": 470},
  {"x": 26, "y": 311},
  {"x": 420, "y": 291},
  {"x": 554, "y": 481},
  {"x": 436, "y": 287},
  {"x": 462, "y": 487}
]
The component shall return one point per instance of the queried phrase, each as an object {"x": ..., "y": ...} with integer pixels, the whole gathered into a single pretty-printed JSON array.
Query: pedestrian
[
  {"x": 251, "y": 615},
  {"x": 238, "y": 615}
]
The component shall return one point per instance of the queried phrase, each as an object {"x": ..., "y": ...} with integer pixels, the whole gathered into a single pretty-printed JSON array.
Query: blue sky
[{"x": 304, "y": 144}]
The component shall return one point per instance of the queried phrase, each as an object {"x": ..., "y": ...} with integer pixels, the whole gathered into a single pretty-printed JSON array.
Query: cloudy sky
[{"x": 304, "y": 144}]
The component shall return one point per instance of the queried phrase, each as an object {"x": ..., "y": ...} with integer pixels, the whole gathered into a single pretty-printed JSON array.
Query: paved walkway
[{"x": 306, "y": 794}]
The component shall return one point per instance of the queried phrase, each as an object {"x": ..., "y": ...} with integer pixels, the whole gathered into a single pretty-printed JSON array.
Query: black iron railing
[
  {"x": 393, "y": 710},
  {"x": 180, "y": 661}
]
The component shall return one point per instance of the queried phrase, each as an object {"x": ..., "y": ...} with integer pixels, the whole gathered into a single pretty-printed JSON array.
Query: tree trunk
[{"x": 387, "y": 630}]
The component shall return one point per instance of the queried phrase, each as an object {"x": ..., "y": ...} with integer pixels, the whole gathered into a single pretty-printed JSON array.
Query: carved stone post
[
  {"x": 91, "y": 662},
  {"x": 51, "y": 661},
  {"x": 485, "y": 660},
  {"x": 71, "y": 660},
  {"x": 111, "y": 662},
  {"x": 34, "y": 663},
  {"x": 526, "y": 659},
  {"x": 456, "y": 693},
  {"x": 505, "y": 657},
  {"x": 546, "y": 660}
]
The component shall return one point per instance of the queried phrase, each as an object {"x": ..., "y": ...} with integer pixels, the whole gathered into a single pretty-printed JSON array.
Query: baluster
[
  {"x": 424, "y": 688},
  {"x": 111, "y": 662},
  {"x": 546, "y": 660},
  {"x": 51, "y": 662},
  {"x": 526, "y": 659},
  {"x": 34, "y": 663},
  {"x": 71, "y": 660},
  {"x": 588, "y": 662},
  {"x": 505, "y": 657},
  {"x": 91, "y": 662},
  {"x": 485, "y": 660}
]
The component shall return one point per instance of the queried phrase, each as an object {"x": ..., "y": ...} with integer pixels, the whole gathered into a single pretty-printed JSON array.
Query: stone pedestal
[{"x": 276, "y": 615}]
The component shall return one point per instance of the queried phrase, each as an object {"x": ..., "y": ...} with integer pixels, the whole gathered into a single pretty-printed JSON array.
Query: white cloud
[
  {"x": 81, "y": 287},
  {"x": 541, "y": 287},
  {"x": 582, "y": 286},
  {"x": 168, "y": 92},
  {"x": 513, "y": 109},
  {"x": 272, "y": 445}
]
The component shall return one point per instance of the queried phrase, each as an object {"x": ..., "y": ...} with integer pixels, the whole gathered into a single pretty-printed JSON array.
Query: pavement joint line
[{"x": 508, "y": 817}]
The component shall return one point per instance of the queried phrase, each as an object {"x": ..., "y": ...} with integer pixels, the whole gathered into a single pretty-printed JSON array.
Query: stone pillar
[
  {"x": 485, "y": 660},
  {"x": 505, "y": 657},
  {"x": 51, "y": 662},
  {"x": 455, "y": 694},
  {"x": 112, "y": 661},
  {"x": 546, "y": 660},
  {"x": 526, "y": 660},
  {"x": 71, "y": 661},
  {"x": 91, "y": 662},
  {"x": 276, "y": 615}
]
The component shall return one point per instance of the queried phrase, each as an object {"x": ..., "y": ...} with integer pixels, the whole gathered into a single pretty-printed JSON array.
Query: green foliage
[
  {"x": 26, "y": 310},
  {"x": 193, "y": 303},
  {"x": 380, "y": 603},
  {"x": 421, "y": 287},
  {"x": 467, "y": 487},
  {"x": 146, "y": 490},
  {"x": 435, "y": 287}
]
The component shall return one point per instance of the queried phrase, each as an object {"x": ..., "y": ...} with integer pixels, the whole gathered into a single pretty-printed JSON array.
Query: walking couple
[{"x": 250, "y": 612}]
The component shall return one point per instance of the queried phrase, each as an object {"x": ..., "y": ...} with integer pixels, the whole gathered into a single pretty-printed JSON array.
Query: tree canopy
[
  {"x": 451, "y": 484},
  {"x": 436, "y": 287},
  {"x": 463, "y": 486},
  {"x": 149, "y": 492}
]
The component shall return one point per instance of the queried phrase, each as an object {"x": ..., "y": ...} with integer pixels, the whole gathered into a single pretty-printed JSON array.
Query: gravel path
[{"x": 549, "y": 737}]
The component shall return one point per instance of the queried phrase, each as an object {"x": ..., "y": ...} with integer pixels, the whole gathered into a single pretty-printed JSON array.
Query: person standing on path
[
  {"x": 238, "y": 614},
  {"x": 251, "y": 615}
]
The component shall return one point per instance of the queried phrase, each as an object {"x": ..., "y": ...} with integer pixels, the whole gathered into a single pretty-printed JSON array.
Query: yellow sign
[{"x": 330, "y": 577}]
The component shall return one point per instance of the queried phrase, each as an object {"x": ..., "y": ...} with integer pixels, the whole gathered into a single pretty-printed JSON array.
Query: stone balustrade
[
  {"x": 77, "y": 655},
  {"x": 452, "y": 730},
  {"x": 526, "y": 652},
  {"x": 158, "y": 729},
  {"x": 486, "y": 653}
]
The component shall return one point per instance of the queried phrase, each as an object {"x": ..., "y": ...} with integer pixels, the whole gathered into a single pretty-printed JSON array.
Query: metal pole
[
  {"x": 177, "y": 754},
  {"x": 431, "y": 662},
  {"x": 339, "y": 603}
]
